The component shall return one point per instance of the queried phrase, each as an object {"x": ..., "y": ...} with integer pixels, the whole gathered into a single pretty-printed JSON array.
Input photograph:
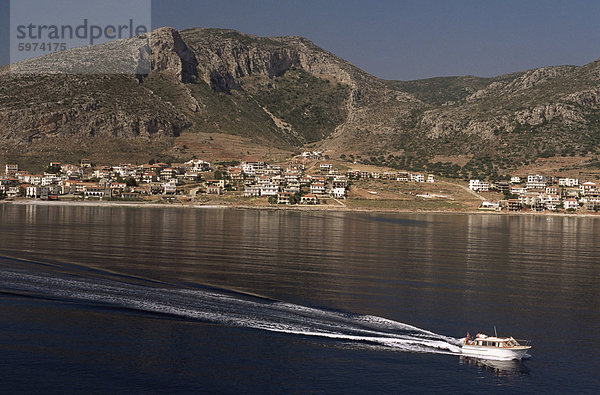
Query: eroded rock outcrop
[{"x": 169, "y": 53}]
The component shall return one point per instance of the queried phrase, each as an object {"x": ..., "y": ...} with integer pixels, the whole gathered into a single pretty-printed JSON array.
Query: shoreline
[{"x": 321, "y": 208}]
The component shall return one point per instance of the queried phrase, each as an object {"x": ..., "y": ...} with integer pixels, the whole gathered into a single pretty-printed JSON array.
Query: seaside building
[
  {"x": 284, "y": 197},
  {"x": 514, "y": 205},
  {"x": 214, "y": 190},
  {"x": 571, "y": 204},
  {"x": 491, "y": 206},
  {"x": 37, "y": 192},
  {"x": 170, "y": 187},
  {"x": 309, "y": 198}
]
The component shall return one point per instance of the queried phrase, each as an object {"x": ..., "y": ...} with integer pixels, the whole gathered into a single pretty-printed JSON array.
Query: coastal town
[{"x": 306, "y": 180}]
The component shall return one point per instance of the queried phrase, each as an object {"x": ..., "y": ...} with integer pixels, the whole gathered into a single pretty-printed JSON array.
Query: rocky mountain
[{"x": 285, "y": 93}]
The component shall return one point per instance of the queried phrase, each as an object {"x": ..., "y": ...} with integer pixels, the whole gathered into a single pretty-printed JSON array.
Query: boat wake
[{"x": 222, "y": 307}]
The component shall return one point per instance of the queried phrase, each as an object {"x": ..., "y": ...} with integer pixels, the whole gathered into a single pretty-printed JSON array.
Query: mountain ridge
[{"x": 288, "y": 94}]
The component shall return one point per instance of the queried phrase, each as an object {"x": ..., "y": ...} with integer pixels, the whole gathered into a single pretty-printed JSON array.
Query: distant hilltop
[{"x": 287, "y": 95}]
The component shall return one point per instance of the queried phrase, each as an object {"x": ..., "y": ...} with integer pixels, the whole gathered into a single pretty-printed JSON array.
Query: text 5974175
[{"x": 43, "y": 46}]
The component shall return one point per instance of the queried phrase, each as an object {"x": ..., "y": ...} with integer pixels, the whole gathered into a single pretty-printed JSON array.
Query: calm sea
[{"x": 108, "y": 299}]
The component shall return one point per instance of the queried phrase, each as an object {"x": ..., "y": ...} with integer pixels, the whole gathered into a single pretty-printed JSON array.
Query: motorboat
[{"x": 494, "y": 347}]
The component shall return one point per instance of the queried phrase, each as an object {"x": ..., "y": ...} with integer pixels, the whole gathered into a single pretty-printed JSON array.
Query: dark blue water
[{"x": 176, "y": 300}]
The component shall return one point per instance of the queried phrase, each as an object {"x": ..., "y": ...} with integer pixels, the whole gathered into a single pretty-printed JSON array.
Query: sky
[{"x": 403, "y": 39}]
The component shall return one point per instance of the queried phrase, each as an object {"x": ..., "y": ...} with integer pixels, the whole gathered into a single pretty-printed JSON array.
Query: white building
[
  {"x": 71, "y": 171},
  {"x": 37, "y": 192},
  {"x": 197, "y": 165},
  {"x": 568, "y": 182},
  {"x": 325, "y": 167},
  {"x": 571, "y": 204},
  {"x": 269, "y": 190},
  {"x": 530, "y": 199},
  {"x": 486, "y": 205},
  {"x": 293, "y": 187},
  {"x": 95, "y": 192},
  {"x": 552, "y": 201},
  {"x": 417, "y": 177},
  {"x": 515, "y": 180},
  {"x": 535, "y": 185},
  {"x": 588, "y": 187},
  {"x": 317, "y": 188},
  {"x": 11, "y": 169},
  {"x": 170, "y": 187},
  {"x": 311, "y": 154},
  {"x": 262, "y": 180},
  {"x": 13, "y": 191},
  {"x": 402, "y": 176},
  {"x": 338, "y": 192},
  {"x": 253, "y": 168},
  {"x": 477, "y": 185},
  {"x": 50, "y": 179},
  {"x": 517, "y": 190},
  {"x": 125, "y": 170},
  {"x": 35, "y": 179},
  {"x": 536, "y": 178},
  {"x": 591, "y": 203},
  {"x": 252, "y": 191},
  {"x": 104, "y": 172}
]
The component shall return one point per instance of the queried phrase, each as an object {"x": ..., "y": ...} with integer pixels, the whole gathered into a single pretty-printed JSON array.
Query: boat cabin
[{"x": 498, "y": 342}]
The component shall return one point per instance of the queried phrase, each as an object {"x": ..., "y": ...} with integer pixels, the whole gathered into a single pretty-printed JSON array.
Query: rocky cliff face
[
  {"x": 85, "y": 106},
  {"x": 225, "y": 57},
  {"x": 169, "y": 53}
]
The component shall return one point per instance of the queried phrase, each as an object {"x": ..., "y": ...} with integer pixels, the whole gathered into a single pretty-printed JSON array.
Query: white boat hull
[{"x": 495, "y": 352}]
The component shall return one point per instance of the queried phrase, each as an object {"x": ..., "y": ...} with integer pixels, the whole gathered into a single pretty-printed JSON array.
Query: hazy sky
[{"x": 405, "y": 39}]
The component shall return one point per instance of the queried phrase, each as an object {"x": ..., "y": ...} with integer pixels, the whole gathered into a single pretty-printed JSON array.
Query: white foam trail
[{"x": 233, "y": 310}]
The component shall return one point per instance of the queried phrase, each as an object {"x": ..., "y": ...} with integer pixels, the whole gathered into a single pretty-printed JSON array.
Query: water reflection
[{"x": 512, "y": 368}]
